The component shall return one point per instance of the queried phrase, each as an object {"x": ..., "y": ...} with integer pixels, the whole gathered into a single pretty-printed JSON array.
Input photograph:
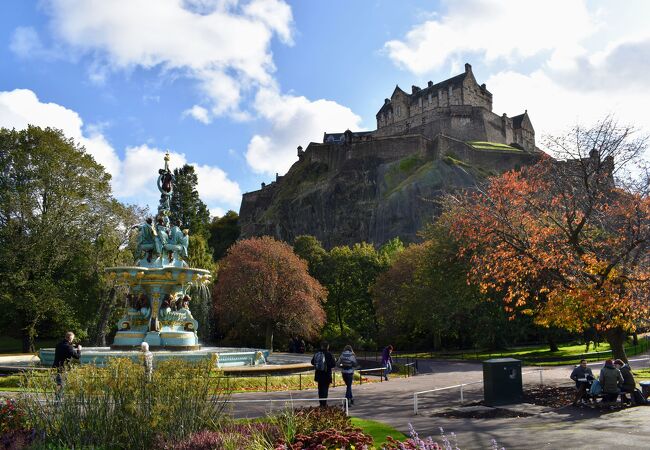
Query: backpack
[
  {"x": 319, "y": 362},
  {"x": 596, "y": 388},
  {"x": 346, "y": 360}
]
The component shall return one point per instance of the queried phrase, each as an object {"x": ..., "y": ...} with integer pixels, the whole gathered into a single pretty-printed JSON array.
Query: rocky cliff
[{"x": 372, "y": 190}]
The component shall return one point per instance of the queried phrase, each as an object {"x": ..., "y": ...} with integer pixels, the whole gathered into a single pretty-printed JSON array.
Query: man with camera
[{"x": 63, "y": 354}]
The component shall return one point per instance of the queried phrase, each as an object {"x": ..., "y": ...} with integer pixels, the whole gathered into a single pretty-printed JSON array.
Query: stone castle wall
[{"x": 382, "y": 148}]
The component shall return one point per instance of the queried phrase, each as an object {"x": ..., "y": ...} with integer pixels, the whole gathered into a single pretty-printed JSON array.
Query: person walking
[
  {"x": 147, "y": 361},
  {"x": 323, "y": 363},
  {"x": 387, "y": 360},
  {"x": 610, "y": 378},
  {"x": 64, "y": 352},
  {"x": 347, "y": 362}
]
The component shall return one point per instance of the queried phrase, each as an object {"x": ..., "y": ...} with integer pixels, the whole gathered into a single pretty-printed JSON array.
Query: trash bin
[
  {"x": 645, "y": 388},
  {"x": 502, "y": 384}
]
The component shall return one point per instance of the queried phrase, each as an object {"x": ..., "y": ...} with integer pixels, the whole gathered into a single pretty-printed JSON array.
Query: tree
[
  {"x": 348, "y": 273},
  {"x": 263, "y": 288},
  {"x": 224, "y": 231},
  {"x": 311, "y": 250},
  {"x": 424, "y": 301},
  {"x": 59, "y": 226},
  {"x": 566, "y": 241},
  {"x": 186, "y": 205}
]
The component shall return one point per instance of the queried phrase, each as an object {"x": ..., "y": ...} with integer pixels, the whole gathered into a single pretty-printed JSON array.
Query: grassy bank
[{"x": 537, "y": 354}]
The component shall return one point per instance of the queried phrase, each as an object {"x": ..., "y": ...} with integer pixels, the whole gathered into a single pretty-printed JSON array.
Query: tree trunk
[
  {"x": 105, "y": 311},
  {"x": 269, "y": 337},
  {"x": 635, "y": 339},
  {"x": 552, "y": 344},
  {"x": 616, "y": 339},
  {"x": 26, "y": 342}
]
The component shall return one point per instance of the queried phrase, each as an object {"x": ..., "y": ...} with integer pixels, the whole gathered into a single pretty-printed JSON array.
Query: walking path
[{"x": 392, "y": 403}]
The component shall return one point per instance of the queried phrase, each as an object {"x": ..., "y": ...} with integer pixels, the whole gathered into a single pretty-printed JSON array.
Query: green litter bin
[{"x": 502, "y": 384}]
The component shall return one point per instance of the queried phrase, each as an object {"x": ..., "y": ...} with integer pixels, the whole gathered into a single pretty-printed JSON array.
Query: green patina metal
[{"x": 157, "y": 303}]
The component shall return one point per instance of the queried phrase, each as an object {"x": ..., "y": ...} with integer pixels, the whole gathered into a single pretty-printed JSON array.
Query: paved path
[{"x": 392, "y": 403}]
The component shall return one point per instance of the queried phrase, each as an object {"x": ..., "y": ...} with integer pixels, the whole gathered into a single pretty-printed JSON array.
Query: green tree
[
  {"x": 186, "y": 205},
  {"x": 348, "y": 273},
  {"x": 58, "y": 228},
  {"x": 424, "y": 301},
  {"x": 264, "y": 288},
  {"x": 311, "y": 250},
  {"x": 224, "y": 231}
]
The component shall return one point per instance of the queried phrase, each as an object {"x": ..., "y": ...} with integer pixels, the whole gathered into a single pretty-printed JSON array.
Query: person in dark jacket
[
  {"x": 610, "y": 379},
  {"x": 387, "y": 360},
  {"x": 629, "y": 385},
  {"x": 348, "y": 362},
  {"x": 583, "y": 376},
  {"x": 323, "y": 362},
  {"x": 64, "y": 352}
]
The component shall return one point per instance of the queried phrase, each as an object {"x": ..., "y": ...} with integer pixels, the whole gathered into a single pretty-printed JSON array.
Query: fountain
[{"x": 158, "y": 304}]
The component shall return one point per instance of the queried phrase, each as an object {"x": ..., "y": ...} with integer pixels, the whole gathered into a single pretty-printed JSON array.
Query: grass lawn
[
  {"x": 378, "y": 430},
  {"x": 641, "y": 374},
  {"x": 534, "y": 354}
]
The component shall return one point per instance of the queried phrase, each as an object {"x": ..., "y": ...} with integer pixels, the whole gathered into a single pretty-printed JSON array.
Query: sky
[{"x": 233, "y": 87}]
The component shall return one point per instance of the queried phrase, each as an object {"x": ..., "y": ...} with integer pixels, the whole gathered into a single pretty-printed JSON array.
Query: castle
[{"x": 343, "y": 189}]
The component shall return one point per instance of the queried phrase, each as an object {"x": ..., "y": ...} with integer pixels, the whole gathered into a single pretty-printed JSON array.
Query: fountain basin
[{"x": 225, "y": 356}]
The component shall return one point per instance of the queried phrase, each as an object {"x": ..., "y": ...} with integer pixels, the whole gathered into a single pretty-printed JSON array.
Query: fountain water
[{"x": 158, "y": 304}]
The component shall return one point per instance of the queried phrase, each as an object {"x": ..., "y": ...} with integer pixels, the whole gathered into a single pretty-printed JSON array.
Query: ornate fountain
[
  {"x": 158, "y": 301},
  {"x": 158, "y": 304}
]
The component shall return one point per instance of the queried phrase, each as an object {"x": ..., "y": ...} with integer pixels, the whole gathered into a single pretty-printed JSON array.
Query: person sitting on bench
[
  {"x": 629, "y": 385},
  {"x": 610, "y": 379},
  {"x": 583, "y": 376}
]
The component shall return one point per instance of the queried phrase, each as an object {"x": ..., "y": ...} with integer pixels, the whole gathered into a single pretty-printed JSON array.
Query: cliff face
[{"x": 368, "y": 191}]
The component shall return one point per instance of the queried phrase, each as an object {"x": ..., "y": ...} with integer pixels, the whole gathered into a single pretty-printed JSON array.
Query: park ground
[{"x": 392, "y": 403}]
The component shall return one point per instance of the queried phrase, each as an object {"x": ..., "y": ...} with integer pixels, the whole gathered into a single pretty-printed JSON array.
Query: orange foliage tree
[
  {"x": 263, "y": 288},
  {"x": 567, "y": 239}
]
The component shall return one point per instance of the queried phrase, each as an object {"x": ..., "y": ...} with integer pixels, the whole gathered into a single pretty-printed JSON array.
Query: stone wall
[
  {"x": 387, "y": 148},
  {"x": 494, "y": 161}
]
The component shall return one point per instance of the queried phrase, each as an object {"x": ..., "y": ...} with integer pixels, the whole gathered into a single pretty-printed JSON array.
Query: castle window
[
  {"x": 429, "y": 97},
  {"x": 420, "y": 102},
  {"x": 399, "y": 111},
  {"x": 451, "y": 91}
]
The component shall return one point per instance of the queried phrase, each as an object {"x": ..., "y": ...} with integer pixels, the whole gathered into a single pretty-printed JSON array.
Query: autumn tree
[
  {"x": 566, "y": 240},
  {"x": 264, "y": 288}
]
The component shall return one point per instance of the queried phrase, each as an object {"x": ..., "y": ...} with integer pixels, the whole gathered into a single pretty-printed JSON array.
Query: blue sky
[{"x": 234, "y": 86}]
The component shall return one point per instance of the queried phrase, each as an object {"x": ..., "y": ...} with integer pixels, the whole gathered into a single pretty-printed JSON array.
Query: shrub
[
  {"x": 116, "y": 407},
  {"x": 12, "y": 416},
  {"x": 330, "y": 438},
  {"x": 251, "y": 436},
  {"x": 318, "y": 428},
  {"x": 312, "y": 419}
]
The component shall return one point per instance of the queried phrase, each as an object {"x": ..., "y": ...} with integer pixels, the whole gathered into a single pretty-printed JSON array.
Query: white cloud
[
  {"x": 223, "y": 45},
  {"x": 555, "y": 107},
  {"x": 495, "y": 29},
  {"x": 26, "y": 43},
  {"x": 199, "y": 113},
  {"x": 295, "y": 120},
  {"x": 134, "y": 176}
]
